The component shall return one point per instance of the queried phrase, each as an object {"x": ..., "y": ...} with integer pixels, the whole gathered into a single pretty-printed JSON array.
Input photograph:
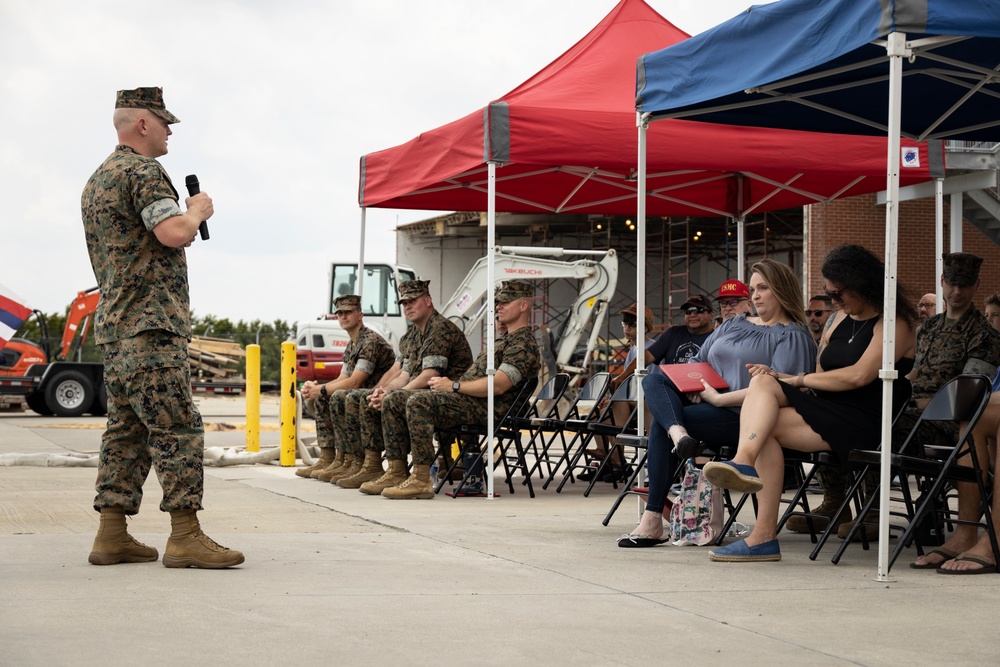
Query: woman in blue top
[{"x": 777, "y": 336}]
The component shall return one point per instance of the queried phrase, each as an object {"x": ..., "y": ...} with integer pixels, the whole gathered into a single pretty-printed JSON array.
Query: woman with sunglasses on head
[
  {"x": 777, "y": 335},
  {"x": 838, "y": 407}
]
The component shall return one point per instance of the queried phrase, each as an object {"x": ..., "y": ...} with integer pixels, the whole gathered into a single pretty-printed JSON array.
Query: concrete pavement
[{"x": 336, "y": 577}]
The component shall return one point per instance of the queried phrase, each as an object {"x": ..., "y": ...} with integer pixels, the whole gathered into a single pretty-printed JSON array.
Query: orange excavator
[
  {"x": 60, "y": 384},
  {"x": 55, "y": 384}
]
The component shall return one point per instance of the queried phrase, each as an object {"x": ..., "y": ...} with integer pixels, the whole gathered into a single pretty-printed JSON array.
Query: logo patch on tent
[{"x": 910, "y": 157}]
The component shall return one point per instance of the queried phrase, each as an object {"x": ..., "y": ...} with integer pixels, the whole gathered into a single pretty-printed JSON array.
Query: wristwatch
[
  {"x": 455, "y": 386},
  {"x": 322, "y": 391}
]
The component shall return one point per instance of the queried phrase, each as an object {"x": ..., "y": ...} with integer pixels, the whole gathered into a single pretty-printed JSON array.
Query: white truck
[{"x": 320, "y": 343}]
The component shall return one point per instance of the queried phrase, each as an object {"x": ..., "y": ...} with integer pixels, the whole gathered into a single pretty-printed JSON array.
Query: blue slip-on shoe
[
  {"x": 733, "y": 476},
  {"x": 740, "y": 552}
]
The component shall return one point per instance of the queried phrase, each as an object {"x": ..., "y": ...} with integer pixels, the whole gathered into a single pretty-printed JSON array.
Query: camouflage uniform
[
  {"x": 441, "y": 346},
  {"x": 944, "y": 348},
  {"x": 368, "y": 353},
  {"x": 143, "y": 326},
  {"x": 412, "y": 425}
]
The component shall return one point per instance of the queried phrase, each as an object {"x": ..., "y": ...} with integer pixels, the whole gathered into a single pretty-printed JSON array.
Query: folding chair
[
  {"x": 586, "y": 408},
  {"x": 548, "y": 396},
  {"x": 961, "y": 400},
  {"x": 626, "y": 393},
  {"x": 473, "y": 437}
]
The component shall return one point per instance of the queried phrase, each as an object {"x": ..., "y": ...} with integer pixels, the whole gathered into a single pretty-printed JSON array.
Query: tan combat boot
[
  {"x": 352, "y": 465},
  {"x": 418, "y": 485},
  {"x": 371, "y": 469},
  {"x": 189, "y": 547},
  {"x": 327, "y": 455},
  {"x": 337, "y": 466},
  {"x": 114, "y": 545},
  {"x": 869, "y": 528},
  {"x": 831, "y": 503},
  {"x": 396, "y": 474}
]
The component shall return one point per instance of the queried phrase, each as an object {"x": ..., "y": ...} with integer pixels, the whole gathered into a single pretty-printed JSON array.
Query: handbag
[{"x": 696, "y": 517}]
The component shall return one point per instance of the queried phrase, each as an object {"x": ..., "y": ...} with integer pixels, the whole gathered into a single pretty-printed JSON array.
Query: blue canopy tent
[{"x": 921, "y": 69}]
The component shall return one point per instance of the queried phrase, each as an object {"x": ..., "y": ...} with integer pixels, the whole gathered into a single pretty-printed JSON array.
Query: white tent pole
[
  {"x": 640, "y": 283},
  {"x": 938, "y": 244},
  {"x": 741, "y": 256},
  {"x": 896, "y": 48},
  {"x": 361, "y": 253},
  {"x": 491, "y": 234},
  {"x": 956, "y": 224}
]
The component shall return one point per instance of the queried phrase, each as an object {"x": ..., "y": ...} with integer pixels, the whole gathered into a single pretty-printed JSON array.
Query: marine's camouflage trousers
[
  {"x": 939, "y": 433},
  {"x": 324, "y": 424},
  {"x": 152, "y": 421},
  {"x": 412, "y": 425},
  {"x": 372, "y": 426},
  {"x": 345, "y": 414}
]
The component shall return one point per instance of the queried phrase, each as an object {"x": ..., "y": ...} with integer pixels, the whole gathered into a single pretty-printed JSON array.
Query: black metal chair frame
[
  {"x": 962, "y": 399},
  {"x": 474, "y": 437},
  {"x": 575, "y": 422}
]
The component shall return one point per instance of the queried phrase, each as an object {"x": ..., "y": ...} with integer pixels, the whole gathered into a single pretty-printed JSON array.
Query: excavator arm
[
  {"x": 598, "y": 281},
  {"x": 81, "y": 313}
]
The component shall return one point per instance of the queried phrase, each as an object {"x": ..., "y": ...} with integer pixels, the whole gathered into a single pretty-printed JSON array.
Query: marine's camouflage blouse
[
  {"x": 441, "y": 346},
  {"x": 369, "y": 353},
  {"x": 516, "y": 354},
  {"x": 945, "y": 346},
  {"x": 143, "y": 283}
]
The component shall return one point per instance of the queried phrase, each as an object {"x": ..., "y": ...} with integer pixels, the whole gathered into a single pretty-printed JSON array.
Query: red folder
[{"x": 687, "y": 377}]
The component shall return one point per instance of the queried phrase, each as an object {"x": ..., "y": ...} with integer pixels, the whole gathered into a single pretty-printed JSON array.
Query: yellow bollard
[
  {"x": 288, "y": 425},
  {"x": 253, "y": 398}
]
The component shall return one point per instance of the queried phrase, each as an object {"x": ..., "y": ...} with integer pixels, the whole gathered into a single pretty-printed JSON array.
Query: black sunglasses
[
  {"x": 695, "y": 310},
  {"x": 817, "y": 313},
  {"x": 834, "y": 294}
]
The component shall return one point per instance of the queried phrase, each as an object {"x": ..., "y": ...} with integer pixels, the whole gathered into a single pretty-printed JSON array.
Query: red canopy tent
[
  {"x": 566, "y": 137},
  {"x": 564, "y": 141}
]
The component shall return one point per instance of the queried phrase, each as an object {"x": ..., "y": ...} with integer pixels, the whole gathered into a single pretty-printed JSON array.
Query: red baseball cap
[{"x": 733, "y": 289}]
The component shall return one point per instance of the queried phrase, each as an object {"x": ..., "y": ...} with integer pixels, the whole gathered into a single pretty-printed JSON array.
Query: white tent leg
[
  {"x": 491, "y": 234},
  {"x": 896, "y": 47},
  {"x": 956, "y": 224},
  {"x": 640, "y": 284},
  {"x": 938, "y": 244},
  {"x": 361, "y": 253}
]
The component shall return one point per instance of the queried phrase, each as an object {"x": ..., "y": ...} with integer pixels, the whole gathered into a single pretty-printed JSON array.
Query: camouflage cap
[
  {"x": 961, "y": 268},
  {"x": 145, "y": 98},
  {"x": 413, "y": 289},
  {"x": 509, "y": 290},
  {"x": 347, "y": 302}
]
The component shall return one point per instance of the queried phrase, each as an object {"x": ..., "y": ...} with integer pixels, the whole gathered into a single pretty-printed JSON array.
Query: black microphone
[{"x": 191, "y": 181}]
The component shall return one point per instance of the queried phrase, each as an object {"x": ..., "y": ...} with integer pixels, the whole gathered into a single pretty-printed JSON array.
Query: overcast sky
[{"x": 279, "y": 100}]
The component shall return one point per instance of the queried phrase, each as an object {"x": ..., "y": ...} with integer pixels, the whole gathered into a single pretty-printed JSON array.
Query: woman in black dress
[{"x": 838, "y": 408}]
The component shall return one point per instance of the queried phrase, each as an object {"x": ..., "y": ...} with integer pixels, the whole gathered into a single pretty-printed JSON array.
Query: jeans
[{"x": 704, "y": 422}]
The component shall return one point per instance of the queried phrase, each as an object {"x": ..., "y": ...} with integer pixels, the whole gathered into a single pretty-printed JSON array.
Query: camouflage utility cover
[{"x": 143, "y": 283}]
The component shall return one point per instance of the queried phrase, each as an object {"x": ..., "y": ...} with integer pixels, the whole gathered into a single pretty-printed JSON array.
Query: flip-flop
[
  {"x": 940, "y": 551},
  {"x": 639, "y": 541},
  {"x": 988, "y": 566}
]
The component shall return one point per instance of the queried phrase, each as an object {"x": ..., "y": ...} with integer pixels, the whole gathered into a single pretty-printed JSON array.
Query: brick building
[{"x": 860, "y": 220}]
